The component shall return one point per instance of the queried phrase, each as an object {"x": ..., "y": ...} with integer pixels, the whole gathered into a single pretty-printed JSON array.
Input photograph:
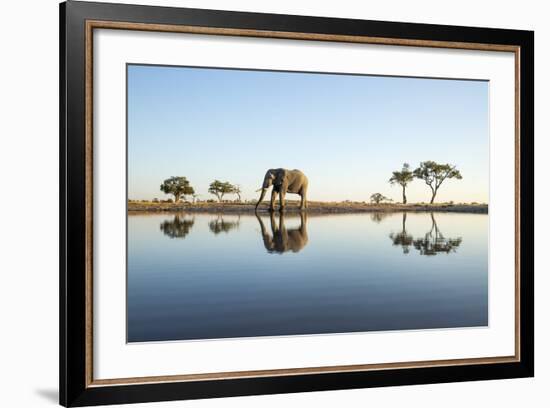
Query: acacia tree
[
  {"x": 178, "y": 187},
  {"x": 237, "y": 190},
  {"x": 377, "y": 198},
  {"x": 434, "y": 174},
  {"x": 219, "y": 189},
  {"x": 403, "y": 178}
]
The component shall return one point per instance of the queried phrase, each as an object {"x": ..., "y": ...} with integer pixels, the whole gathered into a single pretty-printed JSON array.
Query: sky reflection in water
[{"x": 201, "y": 276}]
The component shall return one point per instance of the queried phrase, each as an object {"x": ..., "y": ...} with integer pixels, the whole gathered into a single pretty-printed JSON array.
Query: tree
[
  {"x": 403, "y": 178},
  {"x": 219, "y": 189},
  {"x": 434, "y": 174},
  {"x": 178, "y": 186},
  {"x": 237, "y": 190},
  {"x": 377, "y": 198}
]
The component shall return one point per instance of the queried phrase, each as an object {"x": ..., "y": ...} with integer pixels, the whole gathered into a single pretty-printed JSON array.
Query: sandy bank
[{"x": 314, "y": 207}]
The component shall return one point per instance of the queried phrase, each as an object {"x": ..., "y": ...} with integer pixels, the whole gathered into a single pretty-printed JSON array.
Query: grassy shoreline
[{"x": 313, "y": 207}]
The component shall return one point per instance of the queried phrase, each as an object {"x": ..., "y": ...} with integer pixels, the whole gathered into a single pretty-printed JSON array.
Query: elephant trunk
[{"x": 264, "y": 190}]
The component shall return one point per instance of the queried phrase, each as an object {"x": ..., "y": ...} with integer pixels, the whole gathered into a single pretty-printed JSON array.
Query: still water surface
[{"x": 203, "y": 276}]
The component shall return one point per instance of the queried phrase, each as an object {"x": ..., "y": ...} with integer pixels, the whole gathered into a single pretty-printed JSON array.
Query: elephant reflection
[
  {"x": 434, "y": 242},
  {"x": 179, "y": 227},
  {"x": 222, "y": 225},
  {"x": 281, "y": 239},
  {"x": 431, "y": 244}
]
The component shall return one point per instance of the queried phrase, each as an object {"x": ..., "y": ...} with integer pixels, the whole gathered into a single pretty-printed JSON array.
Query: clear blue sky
[{"x": 347, "y": 133}]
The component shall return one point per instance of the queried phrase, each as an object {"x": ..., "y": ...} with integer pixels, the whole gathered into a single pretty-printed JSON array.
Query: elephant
[
  {"x": 284, "y": 181},
  {"x": 282, "y": 240}
]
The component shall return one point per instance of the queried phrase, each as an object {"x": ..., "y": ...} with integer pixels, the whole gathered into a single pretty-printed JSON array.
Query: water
[{"x": 203, "y": 276}]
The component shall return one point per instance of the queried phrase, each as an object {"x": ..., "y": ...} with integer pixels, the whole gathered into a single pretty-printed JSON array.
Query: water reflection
[
  {"x": 281, "y": 239},
  {"x": 222, "y": 225},
  {"x": 378, "y": 217},
  {"x": 179, "y": 227},
  {"x": 431, "y": 244},
  {"x": 277, "y": 238},
  {"x": 402, "y": 238},
  {"x": 349, "y": 278},
  {"x": 434, "y": 241}
]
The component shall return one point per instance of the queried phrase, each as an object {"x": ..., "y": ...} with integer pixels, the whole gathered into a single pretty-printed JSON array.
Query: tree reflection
[
  {"x": 281, "y": 239},
  {"x": 434, "y": 242},
  {"x": 431, "y": 244},
  {"x": 179, "y": 227},
  {"x": 221, "y": 225},
  {"x": 378, "y": 217},
  {"x": 402, "y": 238}
]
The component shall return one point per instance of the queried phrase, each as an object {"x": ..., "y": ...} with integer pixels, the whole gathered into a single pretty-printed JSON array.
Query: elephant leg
[
  {"x": 303, "y": 204},
  {"x": 282, "y": 200},
  {"x": 273, "y": 198}
]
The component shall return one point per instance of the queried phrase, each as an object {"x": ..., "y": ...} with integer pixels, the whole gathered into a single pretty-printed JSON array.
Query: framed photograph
[{"x": 256, "y": 203}]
